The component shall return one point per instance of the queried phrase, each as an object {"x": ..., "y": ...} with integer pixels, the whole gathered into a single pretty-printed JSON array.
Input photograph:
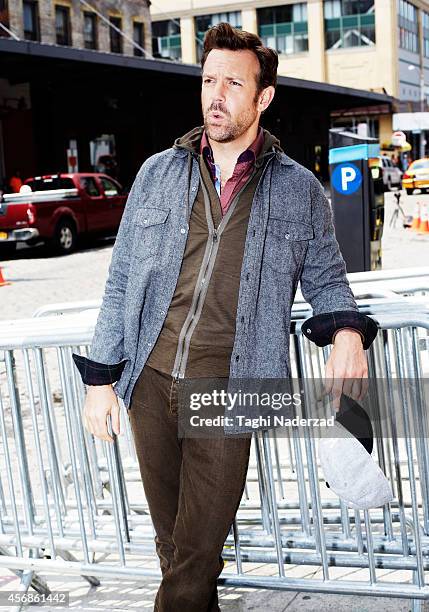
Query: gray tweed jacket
[{"x": 290, "y": 238}]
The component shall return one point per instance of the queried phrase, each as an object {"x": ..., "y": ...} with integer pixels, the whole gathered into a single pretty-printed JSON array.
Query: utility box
[{"x": 357, "y": 191}]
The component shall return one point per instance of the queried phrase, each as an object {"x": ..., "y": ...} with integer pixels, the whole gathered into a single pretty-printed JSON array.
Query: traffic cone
[
  {"x": 415, "y": 225},
  {"x": 2, "y": 281},
  {"x": 424, "y": 223}
]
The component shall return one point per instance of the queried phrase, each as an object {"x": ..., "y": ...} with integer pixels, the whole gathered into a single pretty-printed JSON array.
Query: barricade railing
[
  {"x": 73, "y": 504},
  {"x": 66, "y": 308},
  {"x": 365, "y": 285},
  {"x": 369, "y": 302}
]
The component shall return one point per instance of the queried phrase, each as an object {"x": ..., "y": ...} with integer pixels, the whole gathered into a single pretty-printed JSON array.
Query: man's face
[{"x": 228, "y": 94}]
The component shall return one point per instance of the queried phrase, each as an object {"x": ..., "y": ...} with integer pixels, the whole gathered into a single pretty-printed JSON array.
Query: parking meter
[{"x": 357, "y": 191}]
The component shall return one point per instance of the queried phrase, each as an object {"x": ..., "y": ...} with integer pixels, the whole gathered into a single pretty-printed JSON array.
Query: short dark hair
[{"x": 224, "y": 36}]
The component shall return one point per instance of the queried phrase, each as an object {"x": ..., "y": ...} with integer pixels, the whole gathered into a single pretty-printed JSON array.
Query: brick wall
[{"x": 128, "y": 10}]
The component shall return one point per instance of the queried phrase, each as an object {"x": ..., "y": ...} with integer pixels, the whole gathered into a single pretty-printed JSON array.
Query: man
[{"x": 216, "y": 234}]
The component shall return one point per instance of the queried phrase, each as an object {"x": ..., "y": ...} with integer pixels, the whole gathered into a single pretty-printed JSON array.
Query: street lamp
[{"x": 422, "y": 104}]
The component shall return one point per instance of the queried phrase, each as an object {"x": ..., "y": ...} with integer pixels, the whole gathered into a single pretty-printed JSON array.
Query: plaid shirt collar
[{"x": 249, "y": 155}]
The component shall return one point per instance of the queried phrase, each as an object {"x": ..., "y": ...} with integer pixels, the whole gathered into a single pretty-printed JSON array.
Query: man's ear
[{"x": 266, "y": 98}]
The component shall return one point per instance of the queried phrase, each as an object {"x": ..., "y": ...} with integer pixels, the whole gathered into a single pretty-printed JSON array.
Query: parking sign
[{"x": 346, "y": 178}]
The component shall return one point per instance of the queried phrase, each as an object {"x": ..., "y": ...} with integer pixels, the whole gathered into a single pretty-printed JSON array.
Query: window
[
  {"x": 62, "y": 25},
  {"x": 90, "y": 186},
  {"x": 351, "y": 124},
  {"x": 51, "y": 183},
  {"x": 205, "y": 22},
  {"x": 349, "y": 23},
  {"x": 110, "y": 189},
  {"x": 421, "y": 164},
  {"x": 166, "y": 41},
  {"x": 425, "y": 23},
  {"x": 284, "y": 28},
  {"x": 408, "y": 28},
  {"x": 31, "y": 20},
  {"x": 90, "y": 30},
  {"x": 115, "y": 36},
  {"x": 138, "y": 37}
]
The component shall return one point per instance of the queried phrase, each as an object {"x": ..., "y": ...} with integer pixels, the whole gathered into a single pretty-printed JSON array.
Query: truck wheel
[
  {"x": 409, "y": 191},
  {"x": 7, "y": 249},
  {"x": 64, "y": 239}
]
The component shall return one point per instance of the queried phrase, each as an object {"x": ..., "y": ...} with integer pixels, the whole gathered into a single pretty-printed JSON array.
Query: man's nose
[{"x": 219, "y": 92}]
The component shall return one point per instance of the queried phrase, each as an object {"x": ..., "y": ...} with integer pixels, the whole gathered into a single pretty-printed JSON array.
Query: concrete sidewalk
[{"x": 122, "y": 596}]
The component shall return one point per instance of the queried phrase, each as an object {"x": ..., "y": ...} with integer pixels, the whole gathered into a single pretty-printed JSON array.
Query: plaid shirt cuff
[
  {"x": 94, "y": 373},
  {"x": 321, "y": 328}
]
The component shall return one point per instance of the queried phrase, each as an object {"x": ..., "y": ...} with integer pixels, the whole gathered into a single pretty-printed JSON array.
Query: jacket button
[
  {"x": 237, "y": 357},
  {"x": 182, "y": 230},
  {"x": 287, "y": 236},
  {"x": 144, "y": 220},
  {"x": 194, "y": 188},
  {"x": 308, "y": 330}
]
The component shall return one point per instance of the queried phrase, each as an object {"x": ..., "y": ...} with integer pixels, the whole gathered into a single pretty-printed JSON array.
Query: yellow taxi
[{"x": 416, "y": 176}]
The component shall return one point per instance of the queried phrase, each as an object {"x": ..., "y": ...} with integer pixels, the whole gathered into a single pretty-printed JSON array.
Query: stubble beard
[{"x": 230, "y": 130}]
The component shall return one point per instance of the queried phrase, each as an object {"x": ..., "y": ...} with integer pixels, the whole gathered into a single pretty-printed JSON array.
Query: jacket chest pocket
[
  {"x": 149, "y": 231},
  {"x": 286, "y": 244}
]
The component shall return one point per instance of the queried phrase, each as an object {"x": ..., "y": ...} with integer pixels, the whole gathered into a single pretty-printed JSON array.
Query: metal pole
[{"x": 422, "y": 81}]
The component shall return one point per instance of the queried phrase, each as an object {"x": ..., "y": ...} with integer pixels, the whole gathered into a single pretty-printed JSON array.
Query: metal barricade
[
  {"x": 73, "y": 504},
  {"x": 66, "y": 308},
  {"x": 373, "y": 285}
]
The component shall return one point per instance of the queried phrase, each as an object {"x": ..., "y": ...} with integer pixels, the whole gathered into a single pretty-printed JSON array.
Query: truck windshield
[{"x": 51, "y": 183}]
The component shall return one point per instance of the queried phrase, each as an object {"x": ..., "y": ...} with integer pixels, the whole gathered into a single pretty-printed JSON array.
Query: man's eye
[
  {"x": 207, "y": 80},
  {"x": 236, "y": 83}
]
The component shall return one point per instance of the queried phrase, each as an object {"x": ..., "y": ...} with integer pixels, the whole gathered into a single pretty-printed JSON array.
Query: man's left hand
[{"x": 346, "y": 370}]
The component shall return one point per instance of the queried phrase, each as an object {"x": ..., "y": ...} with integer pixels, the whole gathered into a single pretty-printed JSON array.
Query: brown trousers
[{"x": 193, "y": 487}]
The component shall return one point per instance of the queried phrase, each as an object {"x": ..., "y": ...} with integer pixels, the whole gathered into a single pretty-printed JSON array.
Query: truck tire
[
  {"x": 7, "y": 249},
  {"x": 63, "y": 241}
]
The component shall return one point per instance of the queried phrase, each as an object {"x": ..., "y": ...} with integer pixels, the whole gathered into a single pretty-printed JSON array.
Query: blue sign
[{"x": 346, "y": 178}]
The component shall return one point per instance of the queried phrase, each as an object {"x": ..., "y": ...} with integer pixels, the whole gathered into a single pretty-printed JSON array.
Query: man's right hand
[{"x": 100, "y": 401}]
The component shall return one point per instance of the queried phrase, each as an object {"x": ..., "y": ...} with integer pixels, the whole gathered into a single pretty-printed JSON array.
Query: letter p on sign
[
  {"x": 348, "y": 175},
  {"x": 346, "y": 178}
]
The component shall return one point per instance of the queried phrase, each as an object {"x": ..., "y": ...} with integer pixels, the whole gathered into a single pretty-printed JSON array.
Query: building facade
[
  {"x": 377, "y": 45},
  {"x": 75, "y": 77},
  {"x": 119, "y": 28},
  {"x": 83, "y": 24}
]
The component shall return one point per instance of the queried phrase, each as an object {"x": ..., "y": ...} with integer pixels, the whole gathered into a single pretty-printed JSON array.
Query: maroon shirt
[{"x": 242, "y": 171}]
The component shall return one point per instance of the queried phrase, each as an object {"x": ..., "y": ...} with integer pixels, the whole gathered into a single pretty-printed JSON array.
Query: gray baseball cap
[{"x": 352, "y": 473}]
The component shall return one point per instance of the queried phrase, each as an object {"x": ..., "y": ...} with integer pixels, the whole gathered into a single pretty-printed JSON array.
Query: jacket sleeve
[
  {"x": 324, "y": 282},
  {"x": 106, "y": 356}
]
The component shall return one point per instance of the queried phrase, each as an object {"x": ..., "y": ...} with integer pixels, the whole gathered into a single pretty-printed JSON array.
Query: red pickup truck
[{"x": 58, "y": 208}]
